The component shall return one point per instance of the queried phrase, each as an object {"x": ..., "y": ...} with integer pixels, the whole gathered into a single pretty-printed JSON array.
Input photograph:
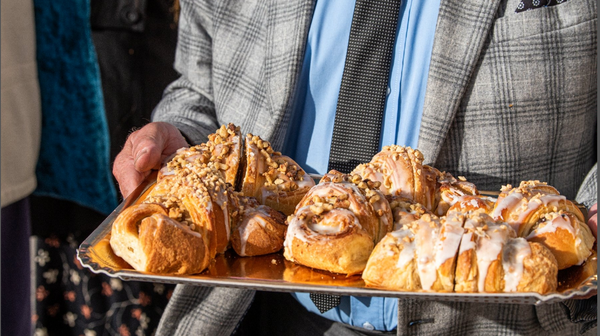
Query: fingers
[
  {"x": 593, "y": 219},
  {"x": 145, "y": 150}
]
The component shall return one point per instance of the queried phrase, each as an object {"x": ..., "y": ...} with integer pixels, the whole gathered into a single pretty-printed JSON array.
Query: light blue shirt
[{"x": 309, "y": 136}]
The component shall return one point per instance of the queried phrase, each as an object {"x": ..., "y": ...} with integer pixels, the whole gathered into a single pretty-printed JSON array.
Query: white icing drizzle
[
  {"x": 408, "y": 248},
  {"x": 466, "y": 243},
  {"x": 306, "y": 182},
  {"x": 168, "y": 221},
  {"x": 514, "y": 252},
  {"x": 450, "y": 237},
  {"x": 400, "y": 178},
  {"x": 165, "y": 171},
  {"x": 332, "y": 222},
  {"x": 372, "y": 173},
  {"x": 402, "y": 217},
  {"x": 489, "y": 244},
  {"x": 517, "y": 199},
  {"x": 562, "y": 222},
  {"x": 453, "y": 195},
  {"x": 425, "y": 238},
  {"x": 251, "y": 219},
  {"x": 329, "y": 189},
  {"x": 221, "y": 199},
  {"x": 509, "y": 203},
  {"x": 325, "y": 229}
]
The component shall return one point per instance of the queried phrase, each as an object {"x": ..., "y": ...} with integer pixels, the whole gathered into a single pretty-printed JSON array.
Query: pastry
[
  {"x": 223, "y": 148},
  {"x": 405, "y": 211},
  {"x": 419, "y": 256},
  {"x": 150, "y": 241},
  {"x": 260, "y": 230},
  {"x": 461, "y": 252},
  {"x": 401, "y": 173},
  {"x": 524, "y": 206},
  {"x": 359, "y": 192},
  {"x": 479, "y": 264},
  {"x": 569, "y": 239},
  {"x": 197, "y": 202},
  {"x": 198, "y": 195},
  {"x": 471, "y": 203},
  {"x": 450, "y": 190},
  {"x": 273, "y": 179},
  {"x": 336, "y": 225},
  {"x": 492, "y": 259}
]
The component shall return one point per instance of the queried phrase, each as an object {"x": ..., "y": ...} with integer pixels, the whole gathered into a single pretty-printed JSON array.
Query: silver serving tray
[{"x": 273, "y": 273}]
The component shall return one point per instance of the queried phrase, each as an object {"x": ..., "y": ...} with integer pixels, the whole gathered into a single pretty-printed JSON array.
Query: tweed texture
[
  {"x": 240, "y": 62},
  {"x": 514, "y": 98},
  {"x": 510, "y": 96},
  {"x": 209, "y": 311}
]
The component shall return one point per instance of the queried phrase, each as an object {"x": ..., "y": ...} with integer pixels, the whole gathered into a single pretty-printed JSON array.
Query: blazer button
[{"x": 368, "y": 326}]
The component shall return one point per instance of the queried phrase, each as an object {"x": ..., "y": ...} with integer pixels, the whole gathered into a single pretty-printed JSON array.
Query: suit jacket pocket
[{"x": 543, "y": 20}]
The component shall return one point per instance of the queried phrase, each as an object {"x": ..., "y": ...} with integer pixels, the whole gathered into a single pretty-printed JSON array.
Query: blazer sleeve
[
  {"x": 588, "y": 192},
  {"x": 188, "y": 102},
  {"x": 584, "y": 312},
  {"x": 198, "y": 310}
]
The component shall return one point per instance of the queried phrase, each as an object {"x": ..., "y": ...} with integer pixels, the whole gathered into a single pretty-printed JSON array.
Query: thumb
[{"x": 153, "y": 143}]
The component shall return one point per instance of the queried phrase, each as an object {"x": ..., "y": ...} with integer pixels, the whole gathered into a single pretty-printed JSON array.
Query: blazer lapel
[
  {"x": 461, "y": 32},
  {"x": 287, "y": 29}
]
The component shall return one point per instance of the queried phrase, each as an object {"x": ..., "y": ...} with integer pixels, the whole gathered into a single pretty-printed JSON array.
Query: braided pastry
[{"x": 461, "y": 253}]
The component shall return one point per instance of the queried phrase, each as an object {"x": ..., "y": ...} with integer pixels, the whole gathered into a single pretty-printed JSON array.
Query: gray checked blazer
[{"x": 510, "y": 97}]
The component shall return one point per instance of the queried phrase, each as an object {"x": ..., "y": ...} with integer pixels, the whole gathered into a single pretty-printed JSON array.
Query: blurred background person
[
  {"x": 20, "y": 106},
  {"x": 100, "y": 74}
]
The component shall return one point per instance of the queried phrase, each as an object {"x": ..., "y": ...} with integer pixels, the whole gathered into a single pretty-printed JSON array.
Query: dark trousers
[{"x": 16, "y": 228}]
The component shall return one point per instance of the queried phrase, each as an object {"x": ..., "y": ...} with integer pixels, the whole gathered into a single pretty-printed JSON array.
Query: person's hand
[
  {"x": 593, "y": 220},
  {"x": 144, "y": 150},
  {"x": 593, "y": 224}
]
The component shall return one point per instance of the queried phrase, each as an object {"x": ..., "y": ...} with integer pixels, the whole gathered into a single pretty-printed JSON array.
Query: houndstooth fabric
[{"x": 510, "y": 97}]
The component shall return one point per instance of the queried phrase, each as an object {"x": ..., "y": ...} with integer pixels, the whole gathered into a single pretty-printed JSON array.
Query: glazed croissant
[
  {"x": 463, "y": 253},
  {"x": 223, "y": 148},
  {"x": 450, "y": 191},
  {"x": 493, "y": 259},
  {"x": 405, "y": 211},
  {"x": 470, "y": 203},
  {"x": 538, "y": 212},
  {"x": 568, "y": 238},
  {"x": 419, "y": 256},
  {"x": 336, "y": 225}
]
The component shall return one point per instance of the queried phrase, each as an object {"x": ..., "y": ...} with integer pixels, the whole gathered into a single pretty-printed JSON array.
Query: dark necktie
[{"x": 359, "y": 113}]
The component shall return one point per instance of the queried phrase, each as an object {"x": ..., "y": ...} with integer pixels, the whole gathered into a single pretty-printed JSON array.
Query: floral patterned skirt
[{"x": 71, "y": 300}]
